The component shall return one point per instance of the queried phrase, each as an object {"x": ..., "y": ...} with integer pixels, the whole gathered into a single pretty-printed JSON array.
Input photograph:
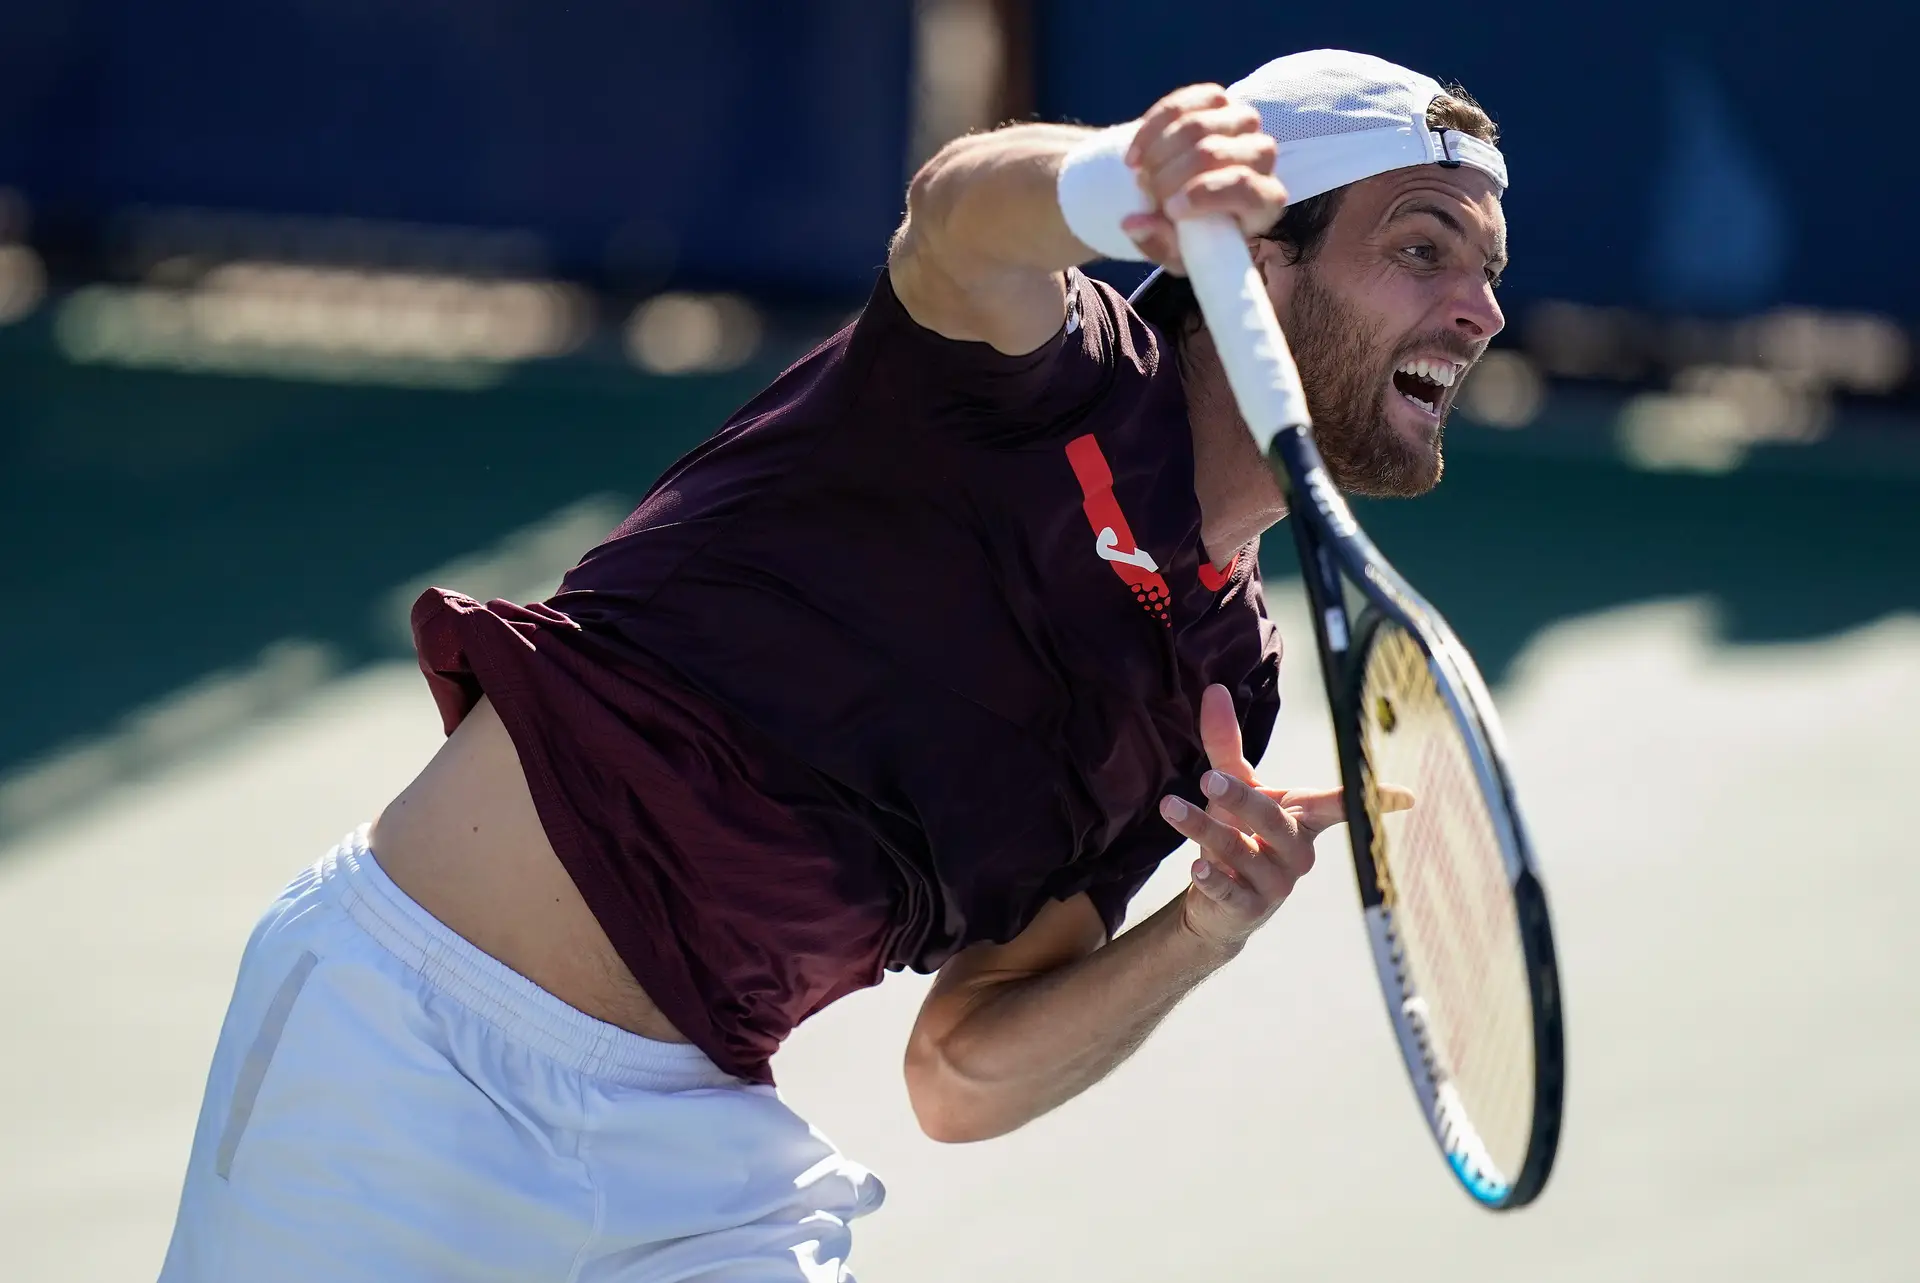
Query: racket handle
[{"x": 1233, "y": 299}]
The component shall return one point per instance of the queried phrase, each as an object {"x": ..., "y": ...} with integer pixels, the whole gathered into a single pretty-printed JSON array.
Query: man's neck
[{"x": 1238, "y": 495}]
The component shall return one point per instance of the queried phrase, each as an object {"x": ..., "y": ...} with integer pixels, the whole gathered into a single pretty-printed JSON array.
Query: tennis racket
[{"x": 1453, "y": 905}]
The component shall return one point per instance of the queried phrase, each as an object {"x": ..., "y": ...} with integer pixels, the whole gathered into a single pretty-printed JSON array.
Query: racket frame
[{"x": 1334, "y": 551}]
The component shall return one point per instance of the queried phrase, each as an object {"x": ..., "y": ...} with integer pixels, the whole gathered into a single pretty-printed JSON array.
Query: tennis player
[{"x": 927, "y": 659}]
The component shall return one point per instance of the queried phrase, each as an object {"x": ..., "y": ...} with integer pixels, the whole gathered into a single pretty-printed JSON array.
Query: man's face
[{"x": 1387, "y": 317}]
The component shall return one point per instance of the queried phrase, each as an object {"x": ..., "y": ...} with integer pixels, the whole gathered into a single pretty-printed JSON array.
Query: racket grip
[{"x": 1239, "y": 315}]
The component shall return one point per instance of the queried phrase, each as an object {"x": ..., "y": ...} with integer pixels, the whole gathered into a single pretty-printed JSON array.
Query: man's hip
[{"x": 387, "y": 1101}]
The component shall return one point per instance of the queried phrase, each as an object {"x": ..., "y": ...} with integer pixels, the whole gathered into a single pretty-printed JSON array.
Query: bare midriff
[{"x": 465, "y": 842}]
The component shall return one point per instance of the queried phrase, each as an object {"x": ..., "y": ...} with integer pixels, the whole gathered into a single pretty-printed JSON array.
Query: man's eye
[
  {"x": 1493, "y": 278},
  {"x": 1425, "y": 253}
]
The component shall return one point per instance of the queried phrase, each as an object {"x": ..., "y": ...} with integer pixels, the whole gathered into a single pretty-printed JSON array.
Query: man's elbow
[
  {"x": 929, "y": 206},
  {"x": 939, "y": 189},
  {"x": 949, "y": 1107},
  {"x": 949, "y": 1126}
]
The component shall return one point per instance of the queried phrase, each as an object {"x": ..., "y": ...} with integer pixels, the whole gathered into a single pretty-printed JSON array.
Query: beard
[{"x": 1347, "y": 372}]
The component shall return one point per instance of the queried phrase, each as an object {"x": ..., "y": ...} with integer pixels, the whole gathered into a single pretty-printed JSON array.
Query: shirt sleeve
[{"x": 979, "y": 394}]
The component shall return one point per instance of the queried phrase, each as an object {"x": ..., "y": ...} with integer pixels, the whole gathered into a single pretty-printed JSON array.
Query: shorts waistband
[{"x": 499, "y": 995}]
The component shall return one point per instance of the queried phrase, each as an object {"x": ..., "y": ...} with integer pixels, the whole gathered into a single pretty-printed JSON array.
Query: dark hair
[{"x": 1170, "y": 306}]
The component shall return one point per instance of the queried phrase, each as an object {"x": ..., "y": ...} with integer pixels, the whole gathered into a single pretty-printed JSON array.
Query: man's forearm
[
  {"x": 992, "y": 196},
  {"x": 995, "y": 219},
  {"x": 1027, "y": 1046}
]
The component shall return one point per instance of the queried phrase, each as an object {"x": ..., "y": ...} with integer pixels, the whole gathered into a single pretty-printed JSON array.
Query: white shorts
[{"x": 389, "y": 1103}]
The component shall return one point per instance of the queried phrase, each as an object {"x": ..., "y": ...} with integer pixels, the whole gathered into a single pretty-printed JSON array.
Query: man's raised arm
[{"x": 985, "y": 241}]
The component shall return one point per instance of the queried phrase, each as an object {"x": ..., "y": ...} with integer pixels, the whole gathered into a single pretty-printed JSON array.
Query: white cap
[{"x": 1339, "y": 117}]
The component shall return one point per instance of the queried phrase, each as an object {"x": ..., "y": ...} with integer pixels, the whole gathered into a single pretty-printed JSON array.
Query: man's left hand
[{"x": 1255, "y": 843}]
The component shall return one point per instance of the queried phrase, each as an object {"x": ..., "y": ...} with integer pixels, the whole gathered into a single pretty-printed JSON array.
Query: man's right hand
[
  {"x": 984, "y": 246},
  {"x": 1199, "y": 152}
]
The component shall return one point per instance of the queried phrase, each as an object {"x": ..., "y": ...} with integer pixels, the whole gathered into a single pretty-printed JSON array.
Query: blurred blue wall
[
  {"x": 1692, "y": 156},
  {"x": 707, "y": 140},
  {"x": 1679, "y": 154}
]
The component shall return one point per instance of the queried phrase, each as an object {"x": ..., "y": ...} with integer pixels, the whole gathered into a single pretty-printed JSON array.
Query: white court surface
[{"x": 1726, "y": 840}]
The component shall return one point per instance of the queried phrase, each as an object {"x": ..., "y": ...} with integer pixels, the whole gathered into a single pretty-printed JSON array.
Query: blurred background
[{"x": 304, "y": 306}]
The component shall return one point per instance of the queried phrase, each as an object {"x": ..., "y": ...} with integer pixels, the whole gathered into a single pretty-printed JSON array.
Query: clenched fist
[{"x": 1199, "y": 152}]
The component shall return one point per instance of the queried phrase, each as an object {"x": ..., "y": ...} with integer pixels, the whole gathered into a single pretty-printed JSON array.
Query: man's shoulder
[{"x": 1099, "y": 307}]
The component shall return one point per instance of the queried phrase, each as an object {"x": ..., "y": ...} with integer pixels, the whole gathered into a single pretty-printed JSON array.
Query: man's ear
[
  {"x": 1264, "y": 252},
  {"x": 1276, "y": 272}
]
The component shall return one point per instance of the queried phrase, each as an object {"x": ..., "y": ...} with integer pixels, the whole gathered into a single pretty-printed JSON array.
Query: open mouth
[{"x": 1425, "y": 381}]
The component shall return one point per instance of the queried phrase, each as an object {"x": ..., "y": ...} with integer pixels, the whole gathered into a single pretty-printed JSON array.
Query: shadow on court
[
  {"x": 1508, "y": 544},
  {"x": 159, "y": 527}
]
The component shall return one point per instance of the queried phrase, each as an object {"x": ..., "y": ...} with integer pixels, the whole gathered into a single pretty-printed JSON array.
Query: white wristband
[{"x": 1097, "y": 189}]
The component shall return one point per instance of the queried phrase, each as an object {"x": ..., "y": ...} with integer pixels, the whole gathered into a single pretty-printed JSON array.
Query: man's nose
[{"x": 1477, "y": 313}]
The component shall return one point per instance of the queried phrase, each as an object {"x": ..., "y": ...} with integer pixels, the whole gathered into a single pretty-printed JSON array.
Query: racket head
[
  {"x": 1455, "y": 911},
  {"x": 1460, "y": 926}
]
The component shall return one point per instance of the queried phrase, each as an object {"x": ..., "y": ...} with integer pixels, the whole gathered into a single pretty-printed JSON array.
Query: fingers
[
  {"x": 1182, "y": 135},
  {"x": 1247, "y": 810},
  {"x": 1314, "y": 810},
  {"x": 1253, "y": 201},
  {"x": 1268, "y": 870},
  {"x": 1394, "y": 798},
  {"x": 1155, "y": 235},
  {"x": 1220, "y": 734},
  {"x": 1226, "y": 152},
  {"x": 1199, "y": 153},
  {"x": 1216, "y": 156},
  {"x": 1224, "y": 889},
  {"x": 1163, "y": 114}
]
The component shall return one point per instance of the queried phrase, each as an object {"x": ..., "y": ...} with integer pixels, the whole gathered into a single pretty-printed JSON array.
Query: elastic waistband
[{"x": 499, "y": 995}]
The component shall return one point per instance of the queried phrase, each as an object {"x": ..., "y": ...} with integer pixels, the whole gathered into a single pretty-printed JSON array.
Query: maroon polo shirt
[{"x": 913, "y": 645}]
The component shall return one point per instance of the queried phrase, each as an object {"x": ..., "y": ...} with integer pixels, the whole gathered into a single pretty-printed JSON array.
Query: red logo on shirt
[{"x": 1112, "y": 538}]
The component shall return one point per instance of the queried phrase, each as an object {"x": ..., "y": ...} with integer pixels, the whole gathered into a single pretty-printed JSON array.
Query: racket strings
[{"x": 1450, "y": 909}]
